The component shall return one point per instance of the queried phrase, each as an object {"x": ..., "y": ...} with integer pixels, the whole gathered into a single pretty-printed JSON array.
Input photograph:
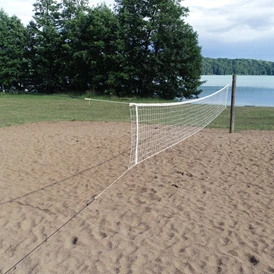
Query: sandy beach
[{"x": 205, "y": 205}]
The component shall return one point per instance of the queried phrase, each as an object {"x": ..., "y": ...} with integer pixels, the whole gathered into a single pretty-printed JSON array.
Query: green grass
[
  {"x": 247, "y": 118},
  {"x": 22, "y": 109},
  {"x": 26, "y": 108}
]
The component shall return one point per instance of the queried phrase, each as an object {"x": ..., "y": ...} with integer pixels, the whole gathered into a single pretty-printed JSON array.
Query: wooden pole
[{"x": 232, "y": 108}]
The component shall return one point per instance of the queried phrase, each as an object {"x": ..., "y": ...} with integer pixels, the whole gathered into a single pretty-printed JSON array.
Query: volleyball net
[{"x": 156, "y": 127}]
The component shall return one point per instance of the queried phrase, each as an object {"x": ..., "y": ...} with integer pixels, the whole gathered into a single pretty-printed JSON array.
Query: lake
[{"x": 250, "y": 90}]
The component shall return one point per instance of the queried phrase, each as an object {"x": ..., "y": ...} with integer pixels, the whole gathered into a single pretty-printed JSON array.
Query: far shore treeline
[
  {"x": 225, "y": 66},
  {"x": 138, "y": 48}
]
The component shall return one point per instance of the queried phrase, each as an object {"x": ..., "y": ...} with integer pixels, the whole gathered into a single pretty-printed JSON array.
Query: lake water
[{"x": 250, "y": 90}]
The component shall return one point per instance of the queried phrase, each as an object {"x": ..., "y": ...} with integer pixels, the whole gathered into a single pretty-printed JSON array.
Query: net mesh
[{"x": 156, "y": 127}]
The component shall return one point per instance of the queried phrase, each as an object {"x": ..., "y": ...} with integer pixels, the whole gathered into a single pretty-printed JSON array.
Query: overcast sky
[{"x": 226, "y": 28}]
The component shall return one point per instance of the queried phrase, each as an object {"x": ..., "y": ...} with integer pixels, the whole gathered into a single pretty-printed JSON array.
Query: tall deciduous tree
[
  {"x": 73, "y": 67},
  {"x": 104, "y": 50},
  {"x": 162, "y": 56},
  {"x": 142, "y": 48},
  {"x": 91, "y": 50},
  {"x": 13, "y": 40},
  {"x": 45, "y": 45}
]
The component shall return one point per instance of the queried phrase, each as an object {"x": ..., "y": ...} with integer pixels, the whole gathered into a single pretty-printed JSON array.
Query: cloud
[
  {"x": 254, "y": 50},
  {"x": 234, "y": 21},
  {"x": 96, "y": 2},
  {"x": 226, "y": 28},
  {"x": 233, "y": 28},
  {"x": 21, "y": 8}
]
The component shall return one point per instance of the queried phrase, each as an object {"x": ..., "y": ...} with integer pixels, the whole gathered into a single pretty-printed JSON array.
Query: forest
[
  {"x": 225, "y": 66},
  {"x": 139, "y": 48}
]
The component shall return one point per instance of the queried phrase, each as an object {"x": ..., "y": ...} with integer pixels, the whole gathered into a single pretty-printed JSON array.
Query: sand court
[{"x": 202, "y": 206}]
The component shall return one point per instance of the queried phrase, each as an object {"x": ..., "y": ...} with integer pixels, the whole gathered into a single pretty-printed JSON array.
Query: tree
[
  {"x": 71, "y": 8},
  {"x": 225, "y": 66},
  {"x": 104, "y": 51},
  {"x": 45, "y": 46},
  {"x": 74, "y": 69},
  {"x": 90, "y": 50},
  {"x": 161, "y": 52},
  {"x": 13, "y": 39}
]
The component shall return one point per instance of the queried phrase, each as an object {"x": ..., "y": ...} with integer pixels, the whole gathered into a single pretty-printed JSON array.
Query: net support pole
[
  {"x": 232, "y": 108},
  {"x": 137, "y": 134}
]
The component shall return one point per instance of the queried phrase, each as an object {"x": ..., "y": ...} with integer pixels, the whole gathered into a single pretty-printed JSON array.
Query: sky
[{"x": 226, "y": 28}]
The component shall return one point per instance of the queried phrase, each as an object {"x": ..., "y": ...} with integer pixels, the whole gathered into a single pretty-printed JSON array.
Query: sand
[{"x": 205, "y": 205}]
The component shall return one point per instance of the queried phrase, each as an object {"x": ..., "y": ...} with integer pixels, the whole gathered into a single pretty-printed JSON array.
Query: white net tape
[{"x": 156, "y": 127}]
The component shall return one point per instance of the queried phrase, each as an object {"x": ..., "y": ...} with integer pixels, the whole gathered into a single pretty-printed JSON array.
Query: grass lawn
[
  {"x": 247, "y": 118},
  {"x": 21, "y": 109}
]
